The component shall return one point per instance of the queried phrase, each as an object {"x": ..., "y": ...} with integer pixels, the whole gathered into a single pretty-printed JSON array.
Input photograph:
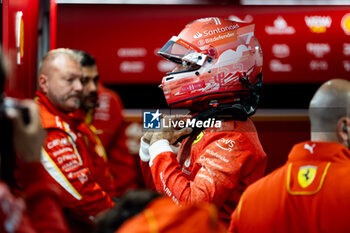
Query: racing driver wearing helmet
[{"x": 218, "y": 76}]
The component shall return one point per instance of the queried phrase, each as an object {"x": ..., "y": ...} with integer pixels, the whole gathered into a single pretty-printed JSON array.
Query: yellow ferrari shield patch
[{"x": 306, "y": 175}]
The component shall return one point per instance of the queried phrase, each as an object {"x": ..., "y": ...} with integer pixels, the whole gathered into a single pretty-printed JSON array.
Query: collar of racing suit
[
  {"x": 74, "y": 119},
  {"x": 49, "y": 113},
  {"x": 319, "y": 151}
]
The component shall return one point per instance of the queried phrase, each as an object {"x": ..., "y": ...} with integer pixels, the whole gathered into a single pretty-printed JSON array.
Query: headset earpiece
[{"x": 345, "y": 129}]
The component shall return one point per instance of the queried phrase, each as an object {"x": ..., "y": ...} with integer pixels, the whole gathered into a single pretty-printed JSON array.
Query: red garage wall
[
  {"x": 22, "y": 82},
  {"x": 278, "y": 134},
  {"x": 301, "y": 44}
]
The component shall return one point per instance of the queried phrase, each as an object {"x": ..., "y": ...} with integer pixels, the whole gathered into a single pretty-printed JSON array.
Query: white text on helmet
[
  {"x": 219, "y": 37},
  {"x": 220, "y": 30}
]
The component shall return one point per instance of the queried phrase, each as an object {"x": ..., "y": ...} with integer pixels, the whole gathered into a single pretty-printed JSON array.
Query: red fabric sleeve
[
  {"x": 147, "y": 176},
  {"x": 43, "y": 213},
  {"x": 12, "y": 214},
  {"x": 42, "y": 199},
  {"x": 218, "y": 168},
  {"x": 69, "y": 168}
]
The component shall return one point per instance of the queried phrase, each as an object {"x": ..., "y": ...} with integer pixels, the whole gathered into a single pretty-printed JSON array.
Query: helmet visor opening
[{"x": 182, "y": 53}]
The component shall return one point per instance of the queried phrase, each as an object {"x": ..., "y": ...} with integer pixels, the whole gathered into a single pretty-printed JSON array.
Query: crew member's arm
[
  {"x": 42, "y": 200},
  {"x": 215, "y": 174},
  {"x": 70, "y": 170},
  {"x": 44, "y": 213}
]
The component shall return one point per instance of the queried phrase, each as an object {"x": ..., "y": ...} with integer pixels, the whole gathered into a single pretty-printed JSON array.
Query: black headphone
[{"x": 345, "y": 129}]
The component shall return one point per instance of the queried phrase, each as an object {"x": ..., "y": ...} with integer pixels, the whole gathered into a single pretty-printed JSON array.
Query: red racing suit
[
  {"x": 99, "y": 161},
  {"x": 108, "y": 123},
  {"x": 310, "y": 193},
  {"x": 214, "y": 166},
  {"x": 40, "y": 212},
  {"x": 67, "y": 160}
]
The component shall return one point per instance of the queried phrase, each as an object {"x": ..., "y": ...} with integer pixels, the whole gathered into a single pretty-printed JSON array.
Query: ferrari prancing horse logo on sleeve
[{"x": 306, "y": 175}]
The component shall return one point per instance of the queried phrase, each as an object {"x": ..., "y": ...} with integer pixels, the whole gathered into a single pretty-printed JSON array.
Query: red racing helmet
[{"x": 218, "y": 61}]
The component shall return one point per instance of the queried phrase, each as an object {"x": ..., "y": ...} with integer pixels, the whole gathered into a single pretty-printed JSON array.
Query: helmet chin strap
[{"x": 239, "y": 111}]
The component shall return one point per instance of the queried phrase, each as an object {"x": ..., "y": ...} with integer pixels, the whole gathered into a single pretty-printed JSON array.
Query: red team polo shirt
[{"x": 310, "y": 193}]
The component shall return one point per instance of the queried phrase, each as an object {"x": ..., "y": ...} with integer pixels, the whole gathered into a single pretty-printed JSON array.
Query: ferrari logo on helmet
[{"x": 306, "y": 175}]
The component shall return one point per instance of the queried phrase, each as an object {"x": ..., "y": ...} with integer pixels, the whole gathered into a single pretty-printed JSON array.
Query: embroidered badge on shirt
[{"x": 306, "y": 175}]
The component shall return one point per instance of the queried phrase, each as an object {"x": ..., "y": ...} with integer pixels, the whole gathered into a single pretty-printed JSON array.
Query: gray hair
[{"x": 53, "y": 54}]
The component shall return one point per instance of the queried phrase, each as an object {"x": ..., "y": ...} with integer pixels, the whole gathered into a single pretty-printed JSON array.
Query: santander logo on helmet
[
  {"x": 215, "y": 31},
  {"x": 217, "y": 60}
]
